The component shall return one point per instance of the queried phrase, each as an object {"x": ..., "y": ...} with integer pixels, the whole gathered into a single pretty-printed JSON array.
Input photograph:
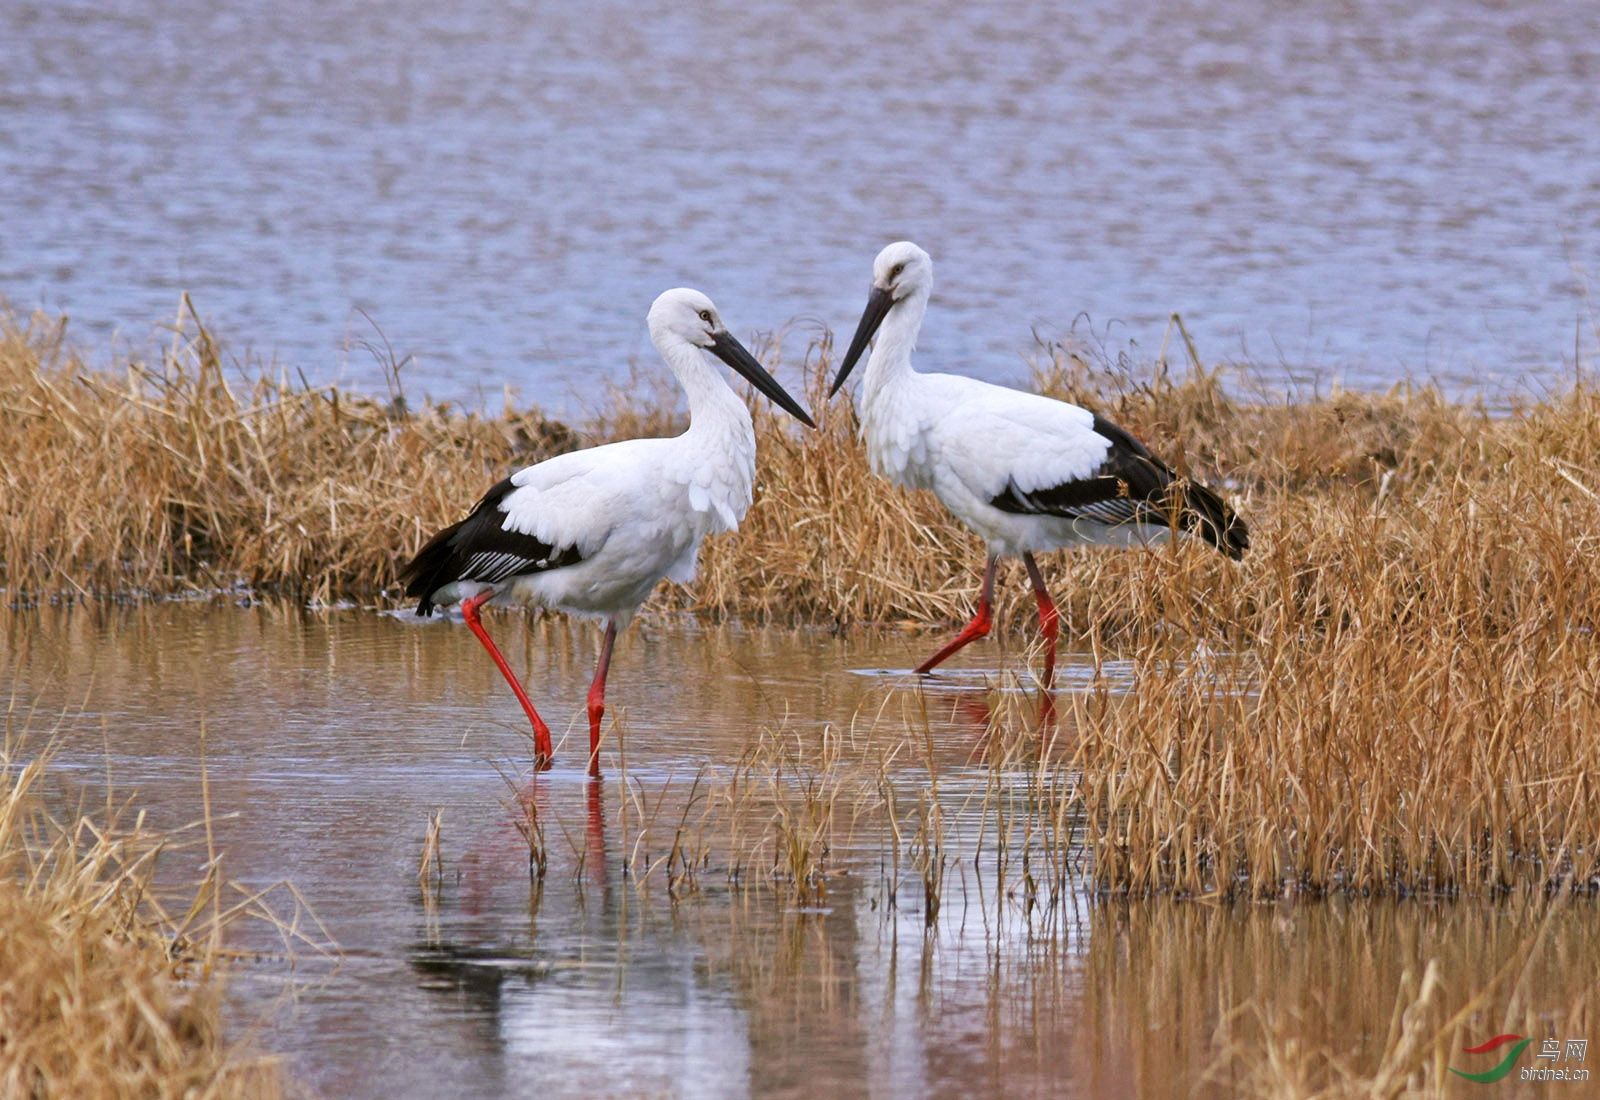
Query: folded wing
[{"x": 1129, "y": 486}]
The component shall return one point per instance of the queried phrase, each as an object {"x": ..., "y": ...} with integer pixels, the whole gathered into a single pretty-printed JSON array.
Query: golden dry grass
[
  {"x": 134, "y": 479},
  {"x": 155, "y": 479},
  {"x": 1346, "y": 1000},
  {"x": 1394, "y": 691},
  {"x": 102, "y": 993}
]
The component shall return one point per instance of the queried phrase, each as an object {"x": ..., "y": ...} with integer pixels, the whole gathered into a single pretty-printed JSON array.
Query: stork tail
[
  {"x": 1205, "y": 514},
  {"x": 431, "y": 569}
]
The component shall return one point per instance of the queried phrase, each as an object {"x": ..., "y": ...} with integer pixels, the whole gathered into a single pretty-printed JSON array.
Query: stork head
[
  {"x": 900, "y": 271},
  {"x": 689, "y": 317}
]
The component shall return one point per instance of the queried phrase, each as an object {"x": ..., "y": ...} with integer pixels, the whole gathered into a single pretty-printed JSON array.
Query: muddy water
[{"x": 330, "y": 739}]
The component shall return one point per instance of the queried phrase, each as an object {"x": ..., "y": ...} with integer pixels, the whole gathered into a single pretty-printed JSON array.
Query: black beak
[
  {"x": 733, "y": 353},
  {"x": 878, "y": 303}
]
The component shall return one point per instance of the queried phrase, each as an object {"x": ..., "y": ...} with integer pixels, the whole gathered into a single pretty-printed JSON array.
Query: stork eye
[
  {"x": 894, "y": 272},
  {"x": 705, "y": 315}
]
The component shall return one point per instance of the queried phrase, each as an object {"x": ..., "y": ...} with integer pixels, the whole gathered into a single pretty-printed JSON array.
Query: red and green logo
[{"x": 1505, "y": 1065}]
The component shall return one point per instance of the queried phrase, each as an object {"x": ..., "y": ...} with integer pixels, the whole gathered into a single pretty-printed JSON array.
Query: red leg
[
  {"x": 541, "y": 732},
  {"x": 597, "y": 697},
  {"x": 1048, "y": 618},
  {"x": 977, "y": 628}
]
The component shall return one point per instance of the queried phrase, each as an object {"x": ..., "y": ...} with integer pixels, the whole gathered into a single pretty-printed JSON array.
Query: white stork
[
  {"x": 1026, "y": 472},
  {"x": 592, "y": 531}
]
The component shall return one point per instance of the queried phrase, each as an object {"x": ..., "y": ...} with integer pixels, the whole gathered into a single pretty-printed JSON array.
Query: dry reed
[
  {"x": 1275, "y": 1000},
  {"x": 1344, "y": 1002},
  {"x": 140, "y": 479},
  {"x": 104, "y": 993},
  {"x": 156, "y": 479},
  {"x": 1394, "y": 691}
]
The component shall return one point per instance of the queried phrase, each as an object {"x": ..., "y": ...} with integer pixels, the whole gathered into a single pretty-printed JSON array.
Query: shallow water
[
  {"x": 1357, "y": 189},
  {"x": 330, "y": 738}
]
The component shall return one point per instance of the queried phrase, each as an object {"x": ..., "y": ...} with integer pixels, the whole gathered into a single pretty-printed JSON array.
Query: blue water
[{"x": 1352, "y": 192}]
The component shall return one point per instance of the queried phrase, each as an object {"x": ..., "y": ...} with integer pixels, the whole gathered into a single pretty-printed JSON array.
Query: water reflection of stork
[
  {"x": 634, "y": 994},
  {"x": 1024, "y": 471},
  {"x": 744, "y": 992},
  {"x": 591, "y": 532}
]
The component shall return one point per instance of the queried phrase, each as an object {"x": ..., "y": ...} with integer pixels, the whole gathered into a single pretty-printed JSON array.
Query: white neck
[
  {"x": 713, "y": 406},
  {"x": 716, "y": 458},
  {"x": 897, "y": 339}
]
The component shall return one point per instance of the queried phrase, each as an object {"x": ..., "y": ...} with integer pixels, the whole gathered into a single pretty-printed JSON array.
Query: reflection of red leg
[
  {"x": 1048, "y": 618},
  {"x": 597, "y": 829},
  {"x": 976, "y": 709},
  {"x": 533, "y": 797},
  {"x": 597, "y": 697},
  {"x": 977, "y": 628},
  {"x": 1047, "y": 723},
  {"x": 541, "y": 732},
  {"x": 532, "y": 810}
]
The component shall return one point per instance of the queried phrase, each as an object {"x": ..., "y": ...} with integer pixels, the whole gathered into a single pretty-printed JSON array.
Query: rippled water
[
  {"x": 330, "y": 739},
  {"x": 1353, "y": 190}
]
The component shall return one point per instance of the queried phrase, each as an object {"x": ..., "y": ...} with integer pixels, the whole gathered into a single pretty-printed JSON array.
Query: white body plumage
[
  {"x": 968, "y": 440},
  {"x": 592, "y": 532},
  {"x": 635, "y": 511},
  {"x": 1026, "y": 472}
]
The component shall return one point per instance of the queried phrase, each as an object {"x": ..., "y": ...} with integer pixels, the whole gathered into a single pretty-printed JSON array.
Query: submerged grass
[
  {"x": 104, "y": 991},
  {"x": 978, "y": 929}
]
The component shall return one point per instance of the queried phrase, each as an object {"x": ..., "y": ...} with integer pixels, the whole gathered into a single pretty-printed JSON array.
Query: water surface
[
  {"x": 1357, "y": 190},
  {"x": 327, "y": 741}
]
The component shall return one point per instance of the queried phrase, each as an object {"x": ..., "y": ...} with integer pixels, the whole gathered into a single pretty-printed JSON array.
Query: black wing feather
[
  {"x": 1133, "y": 486},
  {"x": 479, "y": 548}
]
